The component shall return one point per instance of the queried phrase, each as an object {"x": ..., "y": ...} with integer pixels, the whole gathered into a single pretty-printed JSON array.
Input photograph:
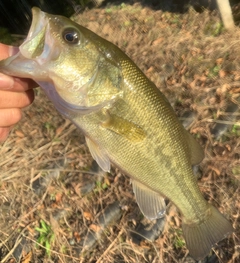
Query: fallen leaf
[
  {"x": 19, "y": 134},
  {"x": 87, "y": 215},
  {"x": 157, "y": 41},
  {"x": 27, "y": 258},
  {"x": 58, "y": 197},
  {"x": 60, "y": 129},
  {"x": 144, "y": 245},
  {"x": 222, "y": 73},
  {"x": 77, "y": 236},
  {"x": 95, "y": 228},
  {"x": 150, "y": 69},
  {"x": 106, "y": 180},
  {"x": 228, "y": 147},
  {"x": 219, "y": 61}
]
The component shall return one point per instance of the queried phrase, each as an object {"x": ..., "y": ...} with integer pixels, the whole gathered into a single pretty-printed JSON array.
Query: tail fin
[{"x": 200, "y": 238}]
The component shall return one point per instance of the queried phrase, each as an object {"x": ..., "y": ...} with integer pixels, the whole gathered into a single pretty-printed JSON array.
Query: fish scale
[
  {"x": 126, "y": 121},
  {"x": 126, "y": 154}
]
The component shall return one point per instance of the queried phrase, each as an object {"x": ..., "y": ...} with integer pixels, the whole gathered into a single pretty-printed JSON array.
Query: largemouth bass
[{"x": 126, "y": 120}]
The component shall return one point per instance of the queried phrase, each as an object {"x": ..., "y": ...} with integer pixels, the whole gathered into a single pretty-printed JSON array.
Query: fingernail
[
  {"x": 13, "y": 50},
  {"x": 6, "y": 82}
]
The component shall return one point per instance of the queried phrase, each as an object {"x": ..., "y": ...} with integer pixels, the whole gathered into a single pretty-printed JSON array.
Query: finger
[
  {"x": 15, "y": 84},
  {"x": 15, "y": 99},
  {"x": 23, "y": 84},
  {"x": 9, "y": 117},
  {"x": 7, "y": 51},
  {"x": 4, "y": 131}
]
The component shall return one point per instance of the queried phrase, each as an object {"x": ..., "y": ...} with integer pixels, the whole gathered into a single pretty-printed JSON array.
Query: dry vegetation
[{"x": 53, "y": 196}]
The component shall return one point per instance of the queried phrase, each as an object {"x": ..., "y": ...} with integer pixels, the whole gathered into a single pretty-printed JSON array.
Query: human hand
[{"x": 15, "y": 94}]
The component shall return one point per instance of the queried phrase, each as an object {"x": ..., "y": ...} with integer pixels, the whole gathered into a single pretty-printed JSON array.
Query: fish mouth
[
  {"x": 39, "y": 49},
  {"x": 39, "y": 44},
  {"x": 35, "y": 51},
  {"x": 36, "y": 35}
]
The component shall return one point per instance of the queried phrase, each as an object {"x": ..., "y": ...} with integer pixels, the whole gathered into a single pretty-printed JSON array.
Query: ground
[{"x": 57, "y": 206}]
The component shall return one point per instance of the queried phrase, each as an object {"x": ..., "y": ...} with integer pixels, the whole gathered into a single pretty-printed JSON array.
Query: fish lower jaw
[{"x": 23, "y": 68}]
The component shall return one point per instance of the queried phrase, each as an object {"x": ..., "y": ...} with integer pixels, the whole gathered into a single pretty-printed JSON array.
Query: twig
[
  {"x": 110, "y": 246},
  {"x": 52, "y": 251},
  {"x": 223, "y": 122},
  {"x": 18, "y": 241}
]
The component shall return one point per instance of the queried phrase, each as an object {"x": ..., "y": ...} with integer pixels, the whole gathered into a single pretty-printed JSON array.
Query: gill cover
[{"x": 69, "y": 62}]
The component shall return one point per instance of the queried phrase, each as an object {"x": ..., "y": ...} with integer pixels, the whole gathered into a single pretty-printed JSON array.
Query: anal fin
[
  {"x": 151, "y": 204},
  {"x": 98, "y": 155}
]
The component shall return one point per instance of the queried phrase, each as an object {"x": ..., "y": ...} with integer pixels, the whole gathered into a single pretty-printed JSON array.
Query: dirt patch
[{"x": 53, "y": 196}]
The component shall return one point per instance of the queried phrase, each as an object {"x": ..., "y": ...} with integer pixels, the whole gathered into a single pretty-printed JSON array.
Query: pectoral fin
[
  {"x": 98, "y": 155},
  {"x": 123, "y": 127},
  {"x": 196, "y": 150},
  {"x": 151, "y": 204}
]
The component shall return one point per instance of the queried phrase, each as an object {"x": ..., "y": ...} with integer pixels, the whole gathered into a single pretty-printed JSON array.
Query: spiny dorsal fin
[
  {"x": 151, "y": 204},
  {"x": 98, "y": 155},
  {"x": 123, "y": 127}
]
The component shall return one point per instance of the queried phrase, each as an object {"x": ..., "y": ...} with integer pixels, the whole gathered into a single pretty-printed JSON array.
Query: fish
[{"x": 126, "y": 120}]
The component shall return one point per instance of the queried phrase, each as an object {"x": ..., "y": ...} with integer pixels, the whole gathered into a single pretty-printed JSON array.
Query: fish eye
[{"x": 71, "y": 36}]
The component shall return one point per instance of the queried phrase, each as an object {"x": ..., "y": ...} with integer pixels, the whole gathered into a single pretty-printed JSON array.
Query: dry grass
[{"x": 47, "y": 172}]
